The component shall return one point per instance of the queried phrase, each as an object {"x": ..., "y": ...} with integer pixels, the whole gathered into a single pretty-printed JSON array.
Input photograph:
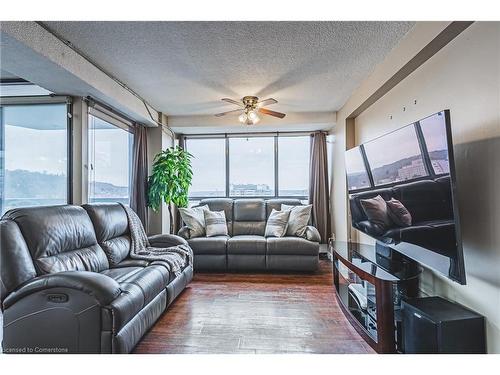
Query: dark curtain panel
[
  {"x": 319, "y": 194},
  {"x": 138, "y": 196},
  {"x": 177, "y": 215}
]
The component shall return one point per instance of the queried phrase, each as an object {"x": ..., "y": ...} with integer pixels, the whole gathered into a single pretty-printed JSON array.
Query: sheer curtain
[
  {"x": 319, "y": 192},
  {"x": 138, "y": 196}
]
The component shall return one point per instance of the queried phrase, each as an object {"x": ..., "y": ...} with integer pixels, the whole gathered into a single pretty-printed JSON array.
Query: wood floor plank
[{"x": 255, "y": 314}]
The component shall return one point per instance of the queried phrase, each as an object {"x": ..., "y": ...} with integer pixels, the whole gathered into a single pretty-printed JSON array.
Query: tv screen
[{"x": 402, "y": 192}]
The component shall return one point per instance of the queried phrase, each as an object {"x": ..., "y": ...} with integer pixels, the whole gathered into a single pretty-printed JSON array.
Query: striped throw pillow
[
  {"x": 215, "y": 223},
  {"x": 277, "y": 223}
]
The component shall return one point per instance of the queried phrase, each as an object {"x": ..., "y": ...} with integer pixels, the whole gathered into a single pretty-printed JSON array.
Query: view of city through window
[
  {"x": 397, "y": 156},
  {"x": 34, "y": 155},
  {"x": 251, "y": 166}
]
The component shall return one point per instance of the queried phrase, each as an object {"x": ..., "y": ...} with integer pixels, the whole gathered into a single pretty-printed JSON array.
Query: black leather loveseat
[
  {"x": 245, "y": 248},
  {"x": 68, "y": 285},
  {"x": 430, "y": 205}
]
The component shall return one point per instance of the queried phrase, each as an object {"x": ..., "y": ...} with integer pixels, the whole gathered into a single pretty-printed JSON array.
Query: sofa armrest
[
  {"x": 184, "y": 233},
  {"x": 369, "y": 228},
  {"x": 312, "y": 234},
  {"x": 166, "y": 240},
  {"x": 103, "y": 288}
]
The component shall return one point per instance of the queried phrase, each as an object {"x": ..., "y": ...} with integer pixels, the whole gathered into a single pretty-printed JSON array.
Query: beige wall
[
  {"x": 158, "y": 140},
  {"x": 465, "y": 78}
]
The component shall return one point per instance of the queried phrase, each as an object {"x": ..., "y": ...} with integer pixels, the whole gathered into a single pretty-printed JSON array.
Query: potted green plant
[{"x": 170, "y": 180}]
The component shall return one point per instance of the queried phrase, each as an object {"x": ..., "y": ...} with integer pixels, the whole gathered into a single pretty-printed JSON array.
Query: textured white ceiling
[{"x": 184, "y": 68}]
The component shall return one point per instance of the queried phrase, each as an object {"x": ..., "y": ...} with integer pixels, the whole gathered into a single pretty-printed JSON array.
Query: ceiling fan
[{"x": 250, "y": 106}]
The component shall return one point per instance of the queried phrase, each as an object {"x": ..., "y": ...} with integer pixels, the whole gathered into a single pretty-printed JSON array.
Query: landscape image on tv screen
[{"x": 402, "y": 190}]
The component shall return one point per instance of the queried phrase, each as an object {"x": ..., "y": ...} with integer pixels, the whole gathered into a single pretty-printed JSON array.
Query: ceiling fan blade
[
  {"x": 227, "y": 100},
  {"x": 265, "y": 102},
  {"x": 228, "y": 112},
  {"x": 271, "y": 113}
]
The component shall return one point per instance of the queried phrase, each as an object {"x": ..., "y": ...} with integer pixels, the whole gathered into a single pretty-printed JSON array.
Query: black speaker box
[{"x": 435, "y": 325}]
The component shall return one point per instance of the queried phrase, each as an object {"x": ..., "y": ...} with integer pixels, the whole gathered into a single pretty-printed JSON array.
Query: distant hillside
[
  {"x": 27, "y": 184},
  {"x": 390, "y": 171}
]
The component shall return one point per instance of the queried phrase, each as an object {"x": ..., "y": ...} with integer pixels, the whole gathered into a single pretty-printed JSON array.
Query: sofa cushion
[
  {"x": 277, "y": 223},
  {"x": 255, "y": 228},
  {"x": 111, "y": 228},
  {"x": 109, "y": 219},
  {"x": 139, "y": 285},
  {"x": 246, "y": 244},
  {"x": 398, "y": 213},
  {"x": 215, "y": 223},
  {"x": 376, "y": 211},
  {"x": 291, "y": 246},
  {"x": 249, "y": 210},
  {"x": 300, "y": 216},
  {"x": 208, "y": 245},
  {"x": 194, "y": 219},
  {"x": 221, "y": 204},
  {"x": 275, "y": 204},
  {"x": 60, "y": 238}
]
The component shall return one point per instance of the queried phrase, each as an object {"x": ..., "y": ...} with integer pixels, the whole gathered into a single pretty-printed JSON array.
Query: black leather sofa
[
  {"x": 430, "y": 204},
  {"x": 68, "y": 285},
  {"x": 245, "y": 248}
]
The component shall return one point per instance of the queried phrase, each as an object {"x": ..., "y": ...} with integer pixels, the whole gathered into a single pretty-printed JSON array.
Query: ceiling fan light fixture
[
  {"x": 243, "y": 118},
  {"x": 252, "y": 116},
  {"x": 251, "y": 108}
]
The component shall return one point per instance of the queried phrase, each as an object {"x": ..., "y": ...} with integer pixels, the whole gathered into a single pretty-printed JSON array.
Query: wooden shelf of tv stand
[{"x": 383, "y": 282}]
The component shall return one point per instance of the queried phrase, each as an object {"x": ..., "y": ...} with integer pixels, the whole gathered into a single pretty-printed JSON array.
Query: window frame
[
  {"x": 111, "y": 117},
  {"x": 275, "y": 136},
  {"x": 41, "y": 100}
]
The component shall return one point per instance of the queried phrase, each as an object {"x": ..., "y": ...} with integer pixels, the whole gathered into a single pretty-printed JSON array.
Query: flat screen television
[{"x": 413, "y": 165}]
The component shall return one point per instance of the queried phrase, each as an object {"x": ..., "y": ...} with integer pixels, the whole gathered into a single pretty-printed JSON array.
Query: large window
[
  {"x": 434, "y": 132},
  {"x": 110, "y": 154},
  {"x": 33, "y": 155},
  {"x": 249, "y": 166},
  {"x": 293, "y": 166},
  {"x": 395, "y": 157},
  {"x": 357, "y": 177},
  {"x": 209, "y": 162}
]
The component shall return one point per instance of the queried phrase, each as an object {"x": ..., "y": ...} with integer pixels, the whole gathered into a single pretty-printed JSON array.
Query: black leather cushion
[
  {"x": 60, "y": 238},
  {"x": 424, "y": 199},
  {"x": 276, "y": 204},
  {"x": 109, "y": 219},
  {"x": 256, "y": 228},
  {"x": 16, "y": 265},
  {"x": 139, "y": 287},
  {"x": 249, "y": 210},
  {"x": 116, "y": 249},
  {"x": 129, "y": 262},
  {"x": 291, "y": 246},
  {"x": 111, "y": 228},
  {"x": 208, "y": 245},
  {"x": 246, "y": 244}
]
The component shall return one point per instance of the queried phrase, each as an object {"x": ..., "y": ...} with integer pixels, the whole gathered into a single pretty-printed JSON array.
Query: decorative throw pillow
[
  {"x": 194, "y": 220},
  {"x": 277, "y": 223},
  {"x": 376, "y": 211},
  {"x": 398, "y": 213},
  {"x": 215, "y": 223},
  {"x": 299, "y": 219}
]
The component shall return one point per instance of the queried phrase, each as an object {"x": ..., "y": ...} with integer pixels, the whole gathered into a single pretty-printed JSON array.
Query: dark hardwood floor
[{"x": 255, "y": 313}]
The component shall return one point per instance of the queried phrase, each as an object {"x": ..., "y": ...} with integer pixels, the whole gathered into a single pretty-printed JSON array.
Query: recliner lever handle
[{"x": 57, "y": 297}]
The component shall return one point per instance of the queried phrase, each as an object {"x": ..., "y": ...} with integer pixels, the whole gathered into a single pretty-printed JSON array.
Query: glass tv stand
[{"x": 370, "y": 283}]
